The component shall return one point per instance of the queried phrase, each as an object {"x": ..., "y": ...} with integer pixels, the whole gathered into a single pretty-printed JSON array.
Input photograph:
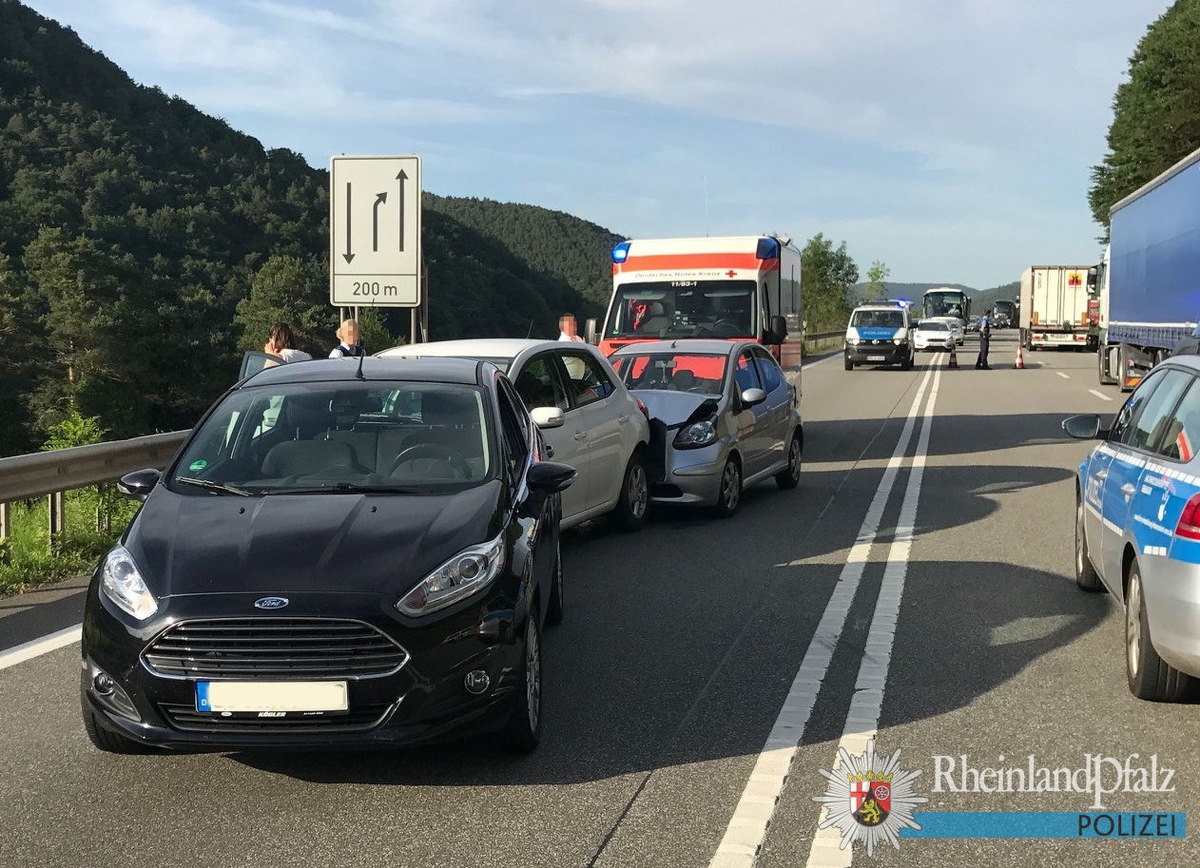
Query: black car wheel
[
  {"x": 524, "y": 727},
  {"x": 1086, "y": 576},
  {"x": 634, "y": 501},
  {"x": 730, "y": 494},
  {"x": 109, "y": 742},
  {"x": 554, "y": 609},
  {"x": 1148, "y": 675},
  {"x": 789, "y": 477}
]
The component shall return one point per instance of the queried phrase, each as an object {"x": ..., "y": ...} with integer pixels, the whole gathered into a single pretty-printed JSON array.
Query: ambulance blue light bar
[
  {"x": 621, "y": 252},
  {"x": 768, "y": 248}
]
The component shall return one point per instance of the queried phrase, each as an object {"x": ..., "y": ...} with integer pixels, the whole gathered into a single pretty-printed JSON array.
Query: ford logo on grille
[{"x": 270, "y": 602}]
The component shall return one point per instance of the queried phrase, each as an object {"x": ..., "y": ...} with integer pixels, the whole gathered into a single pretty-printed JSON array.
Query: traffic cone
[
  {"x": 953, "y": 357},
  {"x": 1019, "y": 364}
]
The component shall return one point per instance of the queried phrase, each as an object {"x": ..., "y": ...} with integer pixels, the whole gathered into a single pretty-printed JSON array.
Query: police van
[{"x": 880, "y": 333}]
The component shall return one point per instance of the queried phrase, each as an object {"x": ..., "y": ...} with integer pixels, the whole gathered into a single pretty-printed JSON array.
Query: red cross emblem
[{"x": 730, "y": 273}]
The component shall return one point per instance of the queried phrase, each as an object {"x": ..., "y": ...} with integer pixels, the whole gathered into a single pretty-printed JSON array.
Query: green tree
[
  {"x": 827, "y": 273},
  {"x": 293, "y": 290},
  {"x": 1156, "y": 112},
  {"x": 877, "y": 275}
]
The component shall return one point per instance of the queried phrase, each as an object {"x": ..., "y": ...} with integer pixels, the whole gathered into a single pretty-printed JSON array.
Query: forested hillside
[{"x": 133, "y": 225}]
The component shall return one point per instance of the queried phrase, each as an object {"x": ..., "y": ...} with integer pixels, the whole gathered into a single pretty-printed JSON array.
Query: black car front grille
[
  {"x": 186, "y": 717},
  {"x": 257, "y": 648}
]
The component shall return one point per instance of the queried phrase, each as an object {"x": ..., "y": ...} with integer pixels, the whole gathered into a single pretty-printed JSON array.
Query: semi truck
[
  {"x": 1054, "y": 308},
  {"x": 1147, "y": 286}
]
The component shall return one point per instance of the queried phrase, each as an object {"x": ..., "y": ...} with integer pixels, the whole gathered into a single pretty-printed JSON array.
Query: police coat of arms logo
[{"x": 869, "y": 798}]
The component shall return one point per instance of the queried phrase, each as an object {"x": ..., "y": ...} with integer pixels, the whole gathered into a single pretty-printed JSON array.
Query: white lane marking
[
  {"x": 1064, "y": 376},
  {"x": 748, "y": 826},
  {"x": 38, "y": 647},
  {"x": 862, "y": 720},
  {"x": 1099, "y": 394}
]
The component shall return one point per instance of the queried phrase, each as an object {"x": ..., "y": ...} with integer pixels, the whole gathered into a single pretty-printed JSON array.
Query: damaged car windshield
[{"x": 702, "y": 374}]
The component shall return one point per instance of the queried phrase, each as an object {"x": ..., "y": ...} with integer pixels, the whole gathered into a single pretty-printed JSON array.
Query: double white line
[{"x": 748, "y": 827}]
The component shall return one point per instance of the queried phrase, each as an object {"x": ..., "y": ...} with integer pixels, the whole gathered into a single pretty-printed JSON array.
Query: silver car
[
  {"x": 587, "y": 418},
  {"x": 1137, "y": 525},
  {"x": 722, "y": 416}
]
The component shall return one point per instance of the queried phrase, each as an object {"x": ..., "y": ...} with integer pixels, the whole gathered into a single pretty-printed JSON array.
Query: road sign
[{"x": 375, "y": 231}]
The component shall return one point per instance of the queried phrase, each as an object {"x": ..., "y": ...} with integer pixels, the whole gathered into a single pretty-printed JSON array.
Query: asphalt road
[{"x": 678, "y": 656}]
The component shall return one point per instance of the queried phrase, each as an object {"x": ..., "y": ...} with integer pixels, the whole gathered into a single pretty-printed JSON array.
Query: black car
[{"x": 342, "y": 553}]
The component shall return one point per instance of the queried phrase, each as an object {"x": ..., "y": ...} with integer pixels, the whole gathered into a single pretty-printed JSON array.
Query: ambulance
[{"x": 733, "y": 288}]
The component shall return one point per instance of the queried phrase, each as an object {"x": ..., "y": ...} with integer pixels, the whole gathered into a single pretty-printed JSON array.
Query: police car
[
  {"x": 880, "y": 333},
  {"x": 1137, "y": 525}
]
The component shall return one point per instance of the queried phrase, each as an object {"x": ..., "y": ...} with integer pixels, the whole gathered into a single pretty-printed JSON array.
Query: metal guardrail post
[
  {"x": 58, "y": 518},
  {"x": 5, "y": 532}
]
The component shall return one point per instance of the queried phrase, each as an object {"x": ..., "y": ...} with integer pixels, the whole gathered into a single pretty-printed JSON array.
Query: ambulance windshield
[{"x": 683, "y": 309}]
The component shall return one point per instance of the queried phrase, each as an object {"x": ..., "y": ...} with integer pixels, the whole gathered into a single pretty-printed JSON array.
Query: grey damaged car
[{"x": 722, "y": 417}]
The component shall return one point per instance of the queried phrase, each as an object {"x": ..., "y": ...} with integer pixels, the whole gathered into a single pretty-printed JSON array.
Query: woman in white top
[{"x": 281, "y": 342}]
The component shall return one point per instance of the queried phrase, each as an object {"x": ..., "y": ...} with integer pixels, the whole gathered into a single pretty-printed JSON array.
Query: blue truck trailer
[{"x": 1148, "y": 286}]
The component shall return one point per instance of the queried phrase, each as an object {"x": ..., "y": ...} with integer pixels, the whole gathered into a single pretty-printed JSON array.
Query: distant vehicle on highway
[
  {"x": 946, "y": 301},
  {"x": 973, "y": 324},
  {"x": 1004, "y": 314},
  {"x": 733, "y": 288},
  {"x": 333, "y": 560},
  {"x": 957, "y": 327},
  {"x": 1137, "y": 525},
  {"x": 588, "y": 419},
  {"x": 933, "y": 334},
  {"x": 880, "y": 333},
  {"x": 723, "y": 416},
  {"x": 1055, "y": 309}
]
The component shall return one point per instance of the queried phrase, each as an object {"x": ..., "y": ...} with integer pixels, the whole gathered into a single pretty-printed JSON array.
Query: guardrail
[{"x": 49, "y": 474}]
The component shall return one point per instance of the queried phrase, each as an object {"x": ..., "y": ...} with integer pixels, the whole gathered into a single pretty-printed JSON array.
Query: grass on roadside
[{"x": 30, "y": 561}]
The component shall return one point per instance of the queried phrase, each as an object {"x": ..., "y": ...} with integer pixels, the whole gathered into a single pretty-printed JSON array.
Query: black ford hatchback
[{"x": 341, "y": 554}]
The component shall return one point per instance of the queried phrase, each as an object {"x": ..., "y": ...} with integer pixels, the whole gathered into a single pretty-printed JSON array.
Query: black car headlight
[
  {"x": 468, "y": 572},
  {"x": 696, "y": 435},
  {"x": 123, "y": 585}
]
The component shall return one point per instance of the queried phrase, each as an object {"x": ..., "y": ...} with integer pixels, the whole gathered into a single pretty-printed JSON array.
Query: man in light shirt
[
  {"x": 348, "y": 347},
  {"x": 567, "y": 330}
]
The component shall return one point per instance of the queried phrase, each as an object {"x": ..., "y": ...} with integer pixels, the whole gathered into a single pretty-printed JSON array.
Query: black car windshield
[
  {"x": 701, "y": 373},
  {"x": 683, "y": 309},
  {"x": 890, "y": 319},
  {"x": 340, "y": 438}
]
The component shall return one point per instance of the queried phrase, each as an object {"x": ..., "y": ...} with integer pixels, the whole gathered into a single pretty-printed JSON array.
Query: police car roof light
[{"x": 621, "y": 252}]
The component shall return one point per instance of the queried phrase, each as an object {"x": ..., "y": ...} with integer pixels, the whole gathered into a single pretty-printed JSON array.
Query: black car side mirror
[
  {"x": 549, "y": 477},
  {"x": 139, "y": 483},
  {"x": 545, "y": 478},
  {"x": 1085, "y": 426}
]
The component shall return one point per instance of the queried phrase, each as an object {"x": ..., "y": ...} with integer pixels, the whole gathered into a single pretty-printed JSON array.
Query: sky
[{"x": 950, "y": 139}]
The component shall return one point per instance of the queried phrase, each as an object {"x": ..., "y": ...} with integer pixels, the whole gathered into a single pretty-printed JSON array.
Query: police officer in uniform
[{"x": 985, "y": 337}]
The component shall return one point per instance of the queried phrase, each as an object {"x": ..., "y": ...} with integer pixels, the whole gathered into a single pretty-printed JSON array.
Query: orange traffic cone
[
  {"x": 1019, "y": 364},
  {"x": 953, "y": 357}
]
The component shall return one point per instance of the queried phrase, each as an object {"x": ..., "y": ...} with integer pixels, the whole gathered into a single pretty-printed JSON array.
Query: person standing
[
  {"x": 281, "y": 342},
  {"x": 567, "y": 329},
  {"x": 985, "y": 338},
  {"x": 348, "y": 346}
]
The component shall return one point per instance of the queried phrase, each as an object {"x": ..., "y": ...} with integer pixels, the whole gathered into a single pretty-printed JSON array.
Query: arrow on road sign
[
  {"x": 348, "y": 255},
  {"x": 401, "y": 177},
  {"x": 380, "y": 199}
]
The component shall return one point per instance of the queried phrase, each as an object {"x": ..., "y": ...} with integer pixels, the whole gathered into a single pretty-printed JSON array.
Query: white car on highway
[
  {"x": 933, "y": 334},
  {"x": 956, "y": 327},
  {"x": 588, "y": 419}
]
